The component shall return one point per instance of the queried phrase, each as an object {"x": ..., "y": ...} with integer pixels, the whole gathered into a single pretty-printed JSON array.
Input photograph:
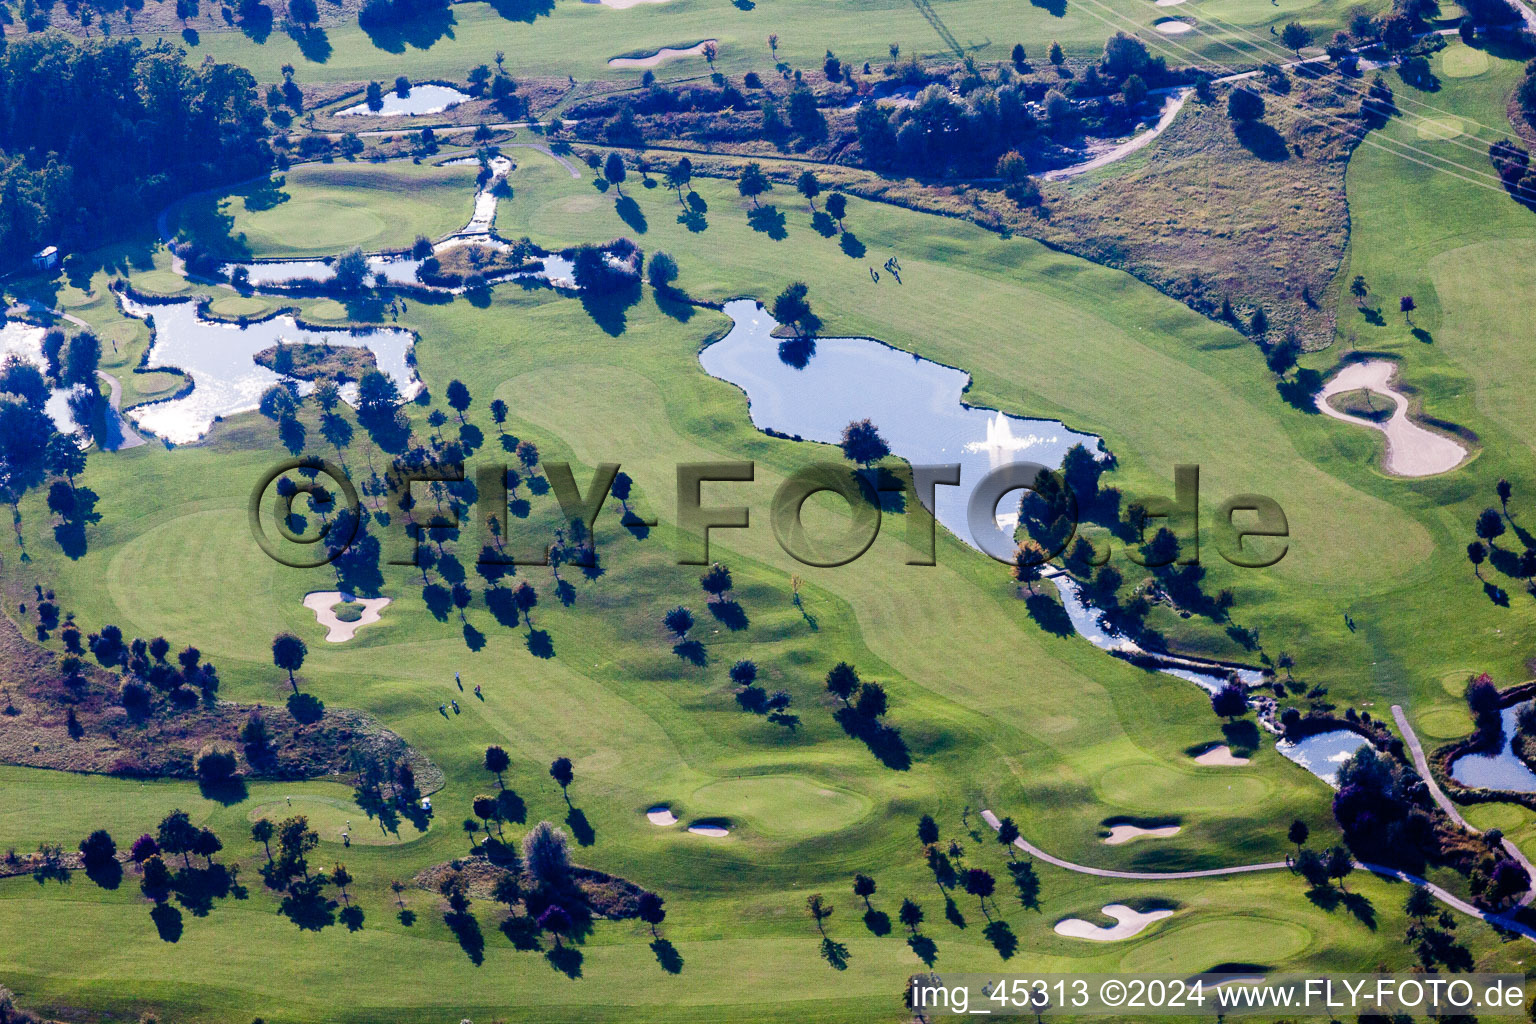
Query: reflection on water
[
  {"x": 225, "y": 377},
  {"x": 1323, "y": 753},
  {"x": 422, "y": 99},
  {"x": 1502, "y": 770}
]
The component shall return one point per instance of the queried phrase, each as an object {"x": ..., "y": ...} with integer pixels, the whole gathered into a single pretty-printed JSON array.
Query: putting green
[
  {"x": 1218, "y": 940},
  {"x": 1463, "y": 62},
  {"x": 1146, "y": 786},
  {"x": 327, "y": 310},
  {"x": 233, "y": 306},
  {"x": 160, "y": 282},
  {"x": 1504, "y": 817},
  {"x": 779, "y": 806},
  {"x": 329, "y": 815},
  {"x": 1444, "y": 722},
  {"x": 1446, "y": 127}
]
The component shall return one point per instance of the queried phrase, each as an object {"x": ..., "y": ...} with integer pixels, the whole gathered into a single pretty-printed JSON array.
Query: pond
[
  {"x": 277, "y": 273},
  {"x": 25, "y": 341},
  {"x": 219, "y": 358},
  {"x": 422, "y": 99},
  {"x": 1503, "y": 770},
  {"x": 812, "y": 390},
  {"x": 1322, "y": 753}
]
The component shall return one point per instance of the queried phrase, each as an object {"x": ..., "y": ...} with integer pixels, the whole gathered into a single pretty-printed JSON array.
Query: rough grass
[{"x": 1364, "y": 403}]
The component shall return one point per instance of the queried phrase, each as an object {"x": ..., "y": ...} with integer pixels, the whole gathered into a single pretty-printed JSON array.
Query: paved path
[
  {"x": 1446, "y": 804},
  {"x": 1449, "y": 899}
]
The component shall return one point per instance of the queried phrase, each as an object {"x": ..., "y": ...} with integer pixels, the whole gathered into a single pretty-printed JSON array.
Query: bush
[
  {"x": 216, "y": 763},
  {"x": 1244, "y": 105}
]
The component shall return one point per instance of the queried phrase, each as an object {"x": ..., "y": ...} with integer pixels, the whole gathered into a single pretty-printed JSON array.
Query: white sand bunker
[
  {"x": 711, "y": 830},
  {"x": 664, "y": 54},
  {"x": 1172, "y": 26},
  {"x": 662, "y": 815},
  {"x": 1220, "y": 755},
  {"x": 1131, "y": 922},
  {"x": 1411, "y": 450},
  {"x": 620, "y": 5},
  {"x": 1125, "y": 833},
  {"x": 1169, "y": 3},
  {"x": 323, "y": 603}
]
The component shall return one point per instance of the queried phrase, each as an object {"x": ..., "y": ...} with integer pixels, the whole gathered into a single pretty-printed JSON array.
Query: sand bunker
[
  {"x": 664, "y": 54},
  {"x": 1125, "y": 833},
  {"x": 620, "y": 5},
  {"x": 662, "y": 815},
  {"x": 1131, "y": 922},
  {"x": 1169, "y": 3},
  {"x": 712, "y": 831},
  {"x": 1411, "y": 450},
  {"x": 1220, "y": 755},
  {"x": 323, "y": 602},
  {"x": 1172, "y": 26}
]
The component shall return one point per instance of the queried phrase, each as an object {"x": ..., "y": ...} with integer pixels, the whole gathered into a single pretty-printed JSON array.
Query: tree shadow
[
  {"x": 729, "y": 614},
  {"x": 502, "y": 606},
  {"x": 540, "y": 644},
  {"x": 224, "y": 791},
  {"x": 1002, "y": 938},
  {"x": 438, "y": 600},
  {"x": 523, "y": 10},
  {"x": 883, "y": 741},
  {"x": 466, "y": 929},
  {"x": 1262, "y": 141},
  {"x": 1496, "y": 594},
  {"x": 581, "y": 829},
  {"x": 522, "y": 932},
  {"x": 1027, "y": 882},
  {"x": 878, "y": 922},
  {"x": 835, "y": 954},
  {"x": 952, "y": 912},
  {"x": 1055, "y": 8},
  {"x": 667, "y": 956},
  {"x": 768, "y": 220},
  {"x": 924, "y": 948},
  {"x": 1242, "y": 736},
  {"x": 671, "y": 302},
  {"x": 108, "y": 875},
  {"x": 167, "y": 922},
  {"x": 630, "y": 213},
  {"x": 1299, "y": 392},
  {"x": 609, "y": 310},
  {"x": 306, "y": 708},
  {"x": 312, "y": 42},
  {"x": 407, "y": 916},
  {"x": 352, "y": 916},
  {"x": 258, "y": 26},
  {"x": 566, "y": 960},
  {"x": 1048, "y": 615},
  {"x": 1422, "y": 336},
  {"x": 418, "y": 30},
  {"x": 851, "y": 246},
  {"x": 306, "y": 908},
  {"x": 1361, "y": 907},
  {"x": 822, "y": 223},
  {"x": 473, "y": 638},
  {"x": 692, "y": 652},
  {"x": 796, "y": 352}
]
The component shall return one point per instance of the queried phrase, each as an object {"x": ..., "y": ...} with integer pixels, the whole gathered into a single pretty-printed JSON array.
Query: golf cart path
[
  {"x": 1446, "y": 804},
  {"x": 1171, "y": 107},
  {"x": 1450, "y": 900}
]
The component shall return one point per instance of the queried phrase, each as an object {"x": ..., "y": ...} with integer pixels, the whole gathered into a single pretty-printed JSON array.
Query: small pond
[
  {"x": 1322, "y": 753},
  {"x": 226, "y": 380},
  {"x": 1497, "y": 771},
  {"x": 25, "y": 341},
  {"x": 422, "y": 99}
]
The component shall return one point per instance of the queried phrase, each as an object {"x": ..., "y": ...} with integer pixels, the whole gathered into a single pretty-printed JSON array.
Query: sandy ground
[
  {"x": 664, "y": 54},
  {"x": 1172, "y": 26},
  {"x": 321, "y": 602},
  {"x": 1220, "y": 755},
  {"x": 1171, "y": 107},
  {"x": 712, "y": 831},
  {"x": 1125, "y": 833},
  {"x": 620, "y": 5},
  {"x": 1411, "y": 450},
  {"x": 1132, "y": 922},
  {"x": 661, "y": 815}
]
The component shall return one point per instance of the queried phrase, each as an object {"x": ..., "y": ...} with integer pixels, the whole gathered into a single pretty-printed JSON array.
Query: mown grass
[{"x": 996, "y": 712}]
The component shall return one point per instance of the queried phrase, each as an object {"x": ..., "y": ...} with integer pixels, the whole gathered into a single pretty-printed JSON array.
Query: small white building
[{"x": 46, "y": 259}]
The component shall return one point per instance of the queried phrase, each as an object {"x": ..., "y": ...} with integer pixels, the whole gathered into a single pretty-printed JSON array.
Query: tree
[
  {"x": 499, "y": 413},
  {"x": 927, "y": 830},
  {"x": 458, "y": 398},
  {"x": 864, "y": 888},
  {"x": 496, "y": 762},
  {"x": 306, "y": 13},
  {"x": 808, "y": 186},
  {"x": 1313, "y": 866},
  {"x": 376, "y": 393},
  {"x": 1339, "y": 864},
  {"x": 1134, "y": 90},
  {"x": 261, "y": 832},
  {"x": 176, "y": 834},
  {"x": 1295, "y": 36},
  {"x": 910, "y": 915},
  {"x": 744, "y": 673},
  {"x": 753, "y": 183},
  {"x": 1298, "y": 834},
  {"x": 842, "y": 681},
  {"x": 716, "y": 582},
  {"x": 350, "y": 273},
  {"x": 791, "y": 307},
  {"x": 1259, "y": 324},
  {"x": 216, "y": 764},
  {"x": 561, "y": 771},
  {"x": 143, "y": 848},
  {"x": 341, "y": 878},
  {"x": 651, "y": 910},
  {"x": 1359, "y": 289},
  {"x": 862, "y": 443},
  {"x": 1504, "y": 490},
  {"x": 485, "y": 809},
  {"x": 817, "y": 906},
  {"x": 1028, "y": 563},
  {"x": 837, "y": 206},
  {"x": 1018, "y": 56},
  {"x": 1420, "y": 903},
  {"x": 1007, "y": 832},
  {"x": 980, "y": 883},
  {"x": 773, "y": 45},
  {"x": 556, "y": 920},
  {"x": 679, "y": 620},
  {"x": 288, "y": 652},
  {"x": 97, "y": 850},
  {"x": 157, "y": 881},
  {"x": 375, "y": 97},
  {"x": 872, "y": 701},
  {"x": 662, "y": 271},
  {"x": 547, "y": 855},
  {"x": 1490, "y": 525},
  {"x": 1245, "y": 105},
  {"x": 1055, "y": 56},
  {"x": 1231, "y": 701},
  {"x": 1406, "y": 306},
  {"x": 613, "y": 170},
  {"x": 679, "y": 175},
  {"x": 1476, "y": 552}
]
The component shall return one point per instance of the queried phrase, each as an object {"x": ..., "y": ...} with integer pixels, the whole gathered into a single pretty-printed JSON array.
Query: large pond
[
  {"x": 1502, "y": 770},
  {"x": 422, "y": 99},
  {"x": 1322, "y": 753},
  {"x": 813, "y": 390},
  {"x": 219, "y": 358}
]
